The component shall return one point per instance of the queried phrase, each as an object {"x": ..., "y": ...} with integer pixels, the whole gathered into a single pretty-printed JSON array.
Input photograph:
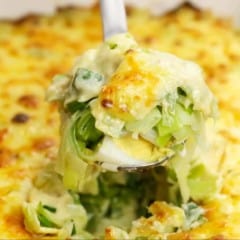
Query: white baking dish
[{"x": 13, "y": 9}]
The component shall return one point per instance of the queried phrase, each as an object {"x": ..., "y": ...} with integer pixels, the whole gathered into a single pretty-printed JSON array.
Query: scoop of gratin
[{"x": 125, "y": 105}]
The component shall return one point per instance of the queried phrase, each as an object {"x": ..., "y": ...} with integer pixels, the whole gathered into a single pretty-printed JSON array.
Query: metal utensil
[
  {"x": 145, "y": 166},
  {"x": 114, "y": 22},
  {"x": 113, "y": 17}
]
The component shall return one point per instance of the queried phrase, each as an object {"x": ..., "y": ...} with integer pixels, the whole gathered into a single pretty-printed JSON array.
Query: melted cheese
[
  {"x": 33, "y": 50},
  {"x": 144, "y": 78},
  {"x": 131, "y": 91}
]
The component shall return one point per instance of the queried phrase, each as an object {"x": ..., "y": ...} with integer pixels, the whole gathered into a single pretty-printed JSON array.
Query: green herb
[
  {"x": 85, "y": 74},
  {"x": 112, "y": 45},
  {"x": 163, "y": 140},
  {"x": 118, "y": 191},
  {"x": 74, "y": 106},
  {"x": 44, "y": 222},
  {"x": 194, "y": 215},
  {"x": 50, "y": 208},
  {"x": 73, "y": 230},
  {"x": 43, "y": 216},
  {"x": 74, "y": 151},
  {"x": 181, "y": 92},
  {"x": 85, "y": 129}
]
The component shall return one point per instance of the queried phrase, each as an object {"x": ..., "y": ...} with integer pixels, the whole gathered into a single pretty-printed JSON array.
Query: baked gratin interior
[{"x": 34, "y": 200}]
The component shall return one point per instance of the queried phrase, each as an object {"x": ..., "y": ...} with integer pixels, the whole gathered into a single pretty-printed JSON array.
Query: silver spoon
[
  {"x": 146, "y": 166},
  {"x": 113, "y": 17},
  {"x": 136, "y": 165},
  {"x": 114, "y": 22}
]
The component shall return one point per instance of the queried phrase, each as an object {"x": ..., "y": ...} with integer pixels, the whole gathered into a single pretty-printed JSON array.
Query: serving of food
[{"x": 121, "y": 104}]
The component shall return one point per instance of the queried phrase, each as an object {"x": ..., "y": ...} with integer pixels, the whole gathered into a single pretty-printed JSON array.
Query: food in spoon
[{"x": 123, "y": 105}]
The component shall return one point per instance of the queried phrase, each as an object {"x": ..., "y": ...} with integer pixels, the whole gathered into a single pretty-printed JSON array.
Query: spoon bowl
[{"x": 114, "y": 22}]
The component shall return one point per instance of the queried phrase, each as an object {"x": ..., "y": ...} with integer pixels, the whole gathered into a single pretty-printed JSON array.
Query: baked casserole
[{"x": 34, "y": 202}]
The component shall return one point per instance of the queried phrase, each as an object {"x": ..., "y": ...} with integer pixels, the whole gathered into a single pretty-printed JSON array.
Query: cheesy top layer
[{"x": 135, "y": 79}]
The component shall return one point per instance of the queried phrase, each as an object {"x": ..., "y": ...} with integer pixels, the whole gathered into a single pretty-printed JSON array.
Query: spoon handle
[{"x": 113, "y": 17}]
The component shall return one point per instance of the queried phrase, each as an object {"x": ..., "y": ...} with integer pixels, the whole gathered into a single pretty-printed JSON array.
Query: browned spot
[
  {"x": 234, "y": 57},
  {"x": 51, "y": 121},
  {"x": 3, "y": 133},
  {"x": 218, "y": 237},
  {"x": 222, "y": 23},
  {"x": 108, "y": 234},
  {"x": 30, "y": 19},
  {"x": 198, "y": 15},
  {"x": 53, "y": 106},
  {"x": 13, "y": 52},
  {"x": 106, "y": 103},
  {"x": 107, "y": 230},
  {"x": 222, "y": 67},
  {"x": 160, "y": 214},
  {"x": 178, "y": 42},
  {"x": 129, "y": 51},
  {"x": 158, "y": 210},
  {"x": 201, "y": 54},
  {"x": 149, "y": 39},
  {"x": 53, "y": 70},
  {"x": 189, "y": 6},
  {"x": 129, "y": 11},
  {"x": 43, "y": 143},
  {"x": 7, "y": 157},
  {"x": 20, "y": 118},
  {"x": 15, "y": 223},
  {"x": 29, "y": 101}
]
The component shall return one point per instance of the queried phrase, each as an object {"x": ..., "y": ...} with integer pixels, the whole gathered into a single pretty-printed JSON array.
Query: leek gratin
[
  {"x": 129, "y": 105},
  {"x": 34, "y": 201}
]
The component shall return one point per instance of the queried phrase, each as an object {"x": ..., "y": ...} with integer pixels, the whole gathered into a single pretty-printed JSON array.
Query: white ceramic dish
[{"x": 13, "y": 9}]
